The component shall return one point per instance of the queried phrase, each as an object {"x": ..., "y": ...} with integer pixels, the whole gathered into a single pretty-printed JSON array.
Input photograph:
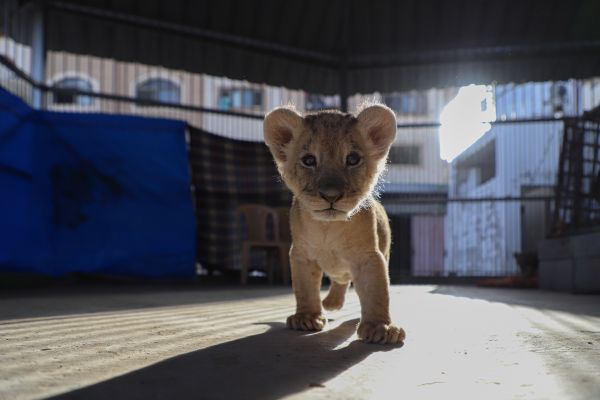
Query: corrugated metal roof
[{"x": 383, "y": 45}]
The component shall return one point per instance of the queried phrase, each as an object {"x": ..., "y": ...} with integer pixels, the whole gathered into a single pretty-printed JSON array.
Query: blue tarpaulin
[{"x": 93, "y": 193}]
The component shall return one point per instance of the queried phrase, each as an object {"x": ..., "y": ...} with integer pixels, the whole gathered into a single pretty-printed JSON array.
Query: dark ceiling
[{"x": 323, "y": 46}]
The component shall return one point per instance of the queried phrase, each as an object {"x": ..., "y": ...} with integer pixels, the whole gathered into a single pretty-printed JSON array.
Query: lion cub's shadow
[{"x": 269, "y": 365}]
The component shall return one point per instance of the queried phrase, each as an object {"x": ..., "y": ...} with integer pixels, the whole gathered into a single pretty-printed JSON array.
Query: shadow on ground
[
  {"x": 270, "y": 365},
  {"x": 579, "y": 304}
]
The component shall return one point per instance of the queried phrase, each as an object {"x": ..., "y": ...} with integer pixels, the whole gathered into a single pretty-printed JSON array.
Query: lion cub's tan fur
[{"x": 331, "y": 162}]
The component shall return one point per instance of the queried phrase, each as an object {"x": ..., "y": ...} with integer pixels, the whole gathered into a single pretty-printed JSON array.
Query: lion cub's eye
[
  {"x": 309, "y": 160},
  {"x": 352, "y": 159}
]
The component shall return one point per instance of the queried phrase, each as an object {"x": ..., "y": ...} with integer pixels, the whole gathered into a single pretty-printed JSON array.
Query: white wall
[
  {"x": 538, "y": 99},
  {"x": 483, "y": 236}
]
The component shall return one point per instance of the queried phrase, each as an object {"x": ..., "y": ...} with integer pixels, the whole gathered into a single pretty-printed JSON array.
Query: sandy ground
[{"x": 210, "y": 343}]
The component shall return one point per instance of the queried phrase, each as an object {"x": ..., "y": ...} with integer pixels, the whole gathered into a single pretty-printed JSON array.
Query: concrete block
[
  {"x": 587, "y": 275},
  {"x": 570, "y": 264},
  {"x": 556, "y": 275},
  {"x": 554, "y": 249},
  {"x": 585, "y": 246}
]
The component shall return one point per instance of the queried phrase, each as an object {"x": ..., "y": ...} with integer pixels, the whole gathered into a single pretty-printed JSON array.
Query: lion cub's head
[{"x": 330, "y": 160}]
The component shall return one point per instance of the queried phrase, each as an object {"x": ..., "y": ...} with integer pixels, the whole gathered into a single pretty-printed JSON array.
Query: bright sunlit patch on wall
[{"x": 465, "y": 119}]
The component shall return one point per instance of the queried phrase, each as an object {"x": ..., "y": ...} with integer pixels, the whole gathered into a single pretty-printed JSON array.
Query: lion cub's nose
[
  {"x": 331, "y": 195},
  {"x": 331, "y": 187}
]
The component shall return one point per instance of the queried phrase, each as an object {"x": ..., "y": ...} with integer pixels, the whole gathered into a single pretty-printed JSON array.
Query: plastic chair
[{"x": 262, "y": 231}]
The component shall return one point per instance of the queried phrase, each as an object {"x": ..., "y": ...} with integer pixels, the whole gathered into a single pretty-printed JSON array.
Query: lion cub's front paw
[
  {"x": 379, "y": 332},
  {"x": 306, "y": 322}
]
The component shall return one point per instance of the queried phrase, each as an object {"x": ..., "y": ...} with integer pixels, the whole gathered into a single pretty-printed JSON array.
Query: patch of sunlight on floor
[{"x": 455, "y": 348}]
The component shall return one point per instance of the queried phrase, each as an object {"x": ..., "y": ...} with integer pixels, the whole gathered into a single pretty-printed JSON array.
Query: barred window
[
  {"x": 70, "y": 98},
  {"x": 159, "y": 89},
  {"x": 240, "y": 99},
  {"x": 405, "y": 155}
]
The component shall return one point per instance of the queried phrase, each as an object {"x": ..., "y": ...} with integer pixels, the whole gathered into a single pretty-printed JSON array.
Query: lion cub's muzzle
[{"x": 331, "y": 188}]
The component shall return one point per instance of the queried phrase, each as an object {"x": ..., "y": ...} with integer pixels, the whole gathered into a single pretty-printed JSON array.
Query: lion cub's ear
[
  {"x": 280, "y": 127},
  {"x": 378, "y": 124}
]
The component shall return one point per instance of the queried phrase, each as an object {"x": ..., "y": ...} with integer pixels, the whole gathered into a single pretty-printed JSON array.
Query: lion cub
[{"x": 331, "y": 162}]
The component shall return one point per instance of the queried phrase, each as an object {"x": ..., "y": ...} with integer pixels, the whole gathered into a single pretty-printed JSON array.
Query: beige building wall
[
  {"x": 110, "y": 76},
  {"x": 21, "y": 57},
  {"x": 431, "y": 168},
  {"x": 244, "y": 128},
  {"x": 118, "y": 78}
]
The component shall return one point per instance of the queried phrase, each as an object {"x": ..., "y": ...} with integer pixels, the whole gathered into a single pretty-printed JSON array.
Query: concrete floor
[{"x": 191, "y": 342}]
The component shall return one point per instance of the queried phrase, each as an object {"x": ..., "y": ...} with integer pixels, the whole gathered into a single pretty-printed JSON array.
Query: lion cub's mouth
[{"x": 330, "y": 213}]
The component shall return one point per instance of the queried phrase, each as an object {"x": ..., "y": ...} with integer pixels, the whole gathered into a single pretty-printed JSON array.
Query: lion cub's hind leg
[{"x": 336, "y": 296}]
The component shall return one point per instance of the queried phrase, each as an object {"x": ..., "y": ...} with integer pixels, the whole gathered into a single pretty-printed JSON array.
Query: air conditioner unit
[{"x": 559, "y": 97}]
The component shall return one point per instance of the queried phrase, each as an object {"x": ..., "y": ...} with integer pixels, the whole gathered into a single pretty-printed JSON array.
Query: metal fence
[
  {"x": 578, "y": 186},
  {"x": 475, "y": 212}
]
